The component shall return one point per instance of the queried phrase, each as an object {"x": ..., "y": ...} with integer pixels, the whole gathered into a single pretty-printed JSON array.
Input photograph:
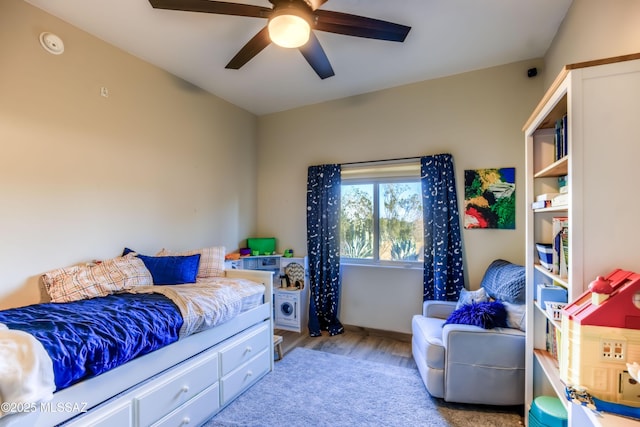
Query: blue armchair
[{"x": 469, "y": 364}]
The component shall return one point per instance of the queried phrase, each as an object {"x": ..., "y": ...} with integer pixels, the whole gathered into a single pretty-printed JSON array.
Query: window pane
[
  {"x": 401, "y": 227},
  {"x": 356, "y": 221}
]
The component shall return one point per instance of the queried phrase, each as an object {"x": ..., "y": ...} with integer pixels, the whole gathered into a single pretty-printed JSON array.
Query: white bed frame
[{"x": 184, "y": 383}]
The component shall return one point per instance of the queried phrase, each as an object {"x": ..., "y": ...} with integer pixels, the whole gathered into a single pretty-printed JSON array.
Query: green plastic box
[{"x": 262, "y": 245}]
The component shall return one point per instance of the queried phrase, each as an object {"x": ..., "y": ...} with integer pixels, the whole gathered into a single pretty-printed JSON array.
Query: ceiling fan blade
[
  {"x": 359, "y": 26},
  {"x": 317, "y": 3},
  {"x": 315, "y": 56},
  {"x": 313, "y": 4},
  {"x": 218, "y": 7},
  {"x": 251, "y": 49}
]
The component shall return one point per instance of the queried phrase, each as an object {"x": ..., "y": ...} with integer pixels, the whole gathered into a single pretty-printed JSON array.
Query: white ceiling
[{"x": 447, "y": 37}]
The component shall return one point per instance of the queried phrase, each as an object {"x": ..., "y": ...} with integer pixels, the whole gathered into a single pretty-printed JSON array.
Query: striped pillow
[
  {"x": 96, "y": 280},
  {"x": 211, "y": 260}
]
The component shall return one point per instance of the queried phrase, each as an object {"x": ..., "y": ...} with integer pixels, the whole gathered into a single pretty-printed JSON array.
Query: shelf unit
[
  {"x": 291, "y": 309},
  {"x": 258, "y": 262},
  {"x": 290, "y": 304},
  {"x": 601, "y": 103}
]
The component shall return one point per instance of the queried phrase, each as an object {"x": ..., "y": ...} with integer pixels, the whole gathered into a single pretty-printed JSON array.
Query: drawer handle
[
  {"x": 186, "y": 420},
  {"x": 185, "y": 389},
  {"x": 249, "y": 373},
  {"x": 248, "y": 349}
]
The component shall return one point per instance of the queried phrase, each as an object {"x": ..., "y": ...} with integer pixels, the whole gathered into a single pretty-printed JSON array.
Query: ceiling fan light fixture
[{"x": 289, "y": 27}]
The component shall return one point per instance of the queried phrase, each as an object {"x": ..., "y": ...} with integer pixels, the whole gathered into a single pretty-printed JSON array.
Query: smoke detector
[{"x": 52, "y": 43}]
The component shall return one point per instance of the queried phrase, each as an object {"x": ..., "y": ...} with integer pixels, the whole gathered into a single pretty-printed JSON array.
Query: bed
[{"x": 181, "y": 370}]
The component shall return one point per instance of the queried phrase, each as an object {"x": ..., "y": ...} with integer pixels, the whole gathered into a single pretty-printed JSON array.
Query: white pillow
[
  {"x": 516, "y": 315},
  {"x": 468, "y": 297}
]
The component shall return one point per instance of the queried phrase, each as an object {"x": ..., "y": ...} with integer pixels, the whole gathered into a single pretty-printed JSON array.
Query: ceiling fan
[{"x": 289, "y": 25}]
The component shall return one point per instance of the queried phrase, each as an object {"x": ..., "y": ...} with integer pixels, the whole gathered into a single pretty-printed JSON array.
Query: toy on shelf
[
  {"x": 262, "y": 245},
  {"x": 600, "y": 331}
]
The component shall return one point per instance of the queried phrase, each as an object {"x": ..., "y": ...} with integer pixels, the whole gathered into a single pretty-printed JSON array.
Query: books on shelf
[
  {"x": 561, "y": 138},
  {"x": 560, "y": 200},
  {"x": 550, "y": 200},
  {"x": 553, "y": 341},
  {"x": 546, "y": 196},
  {"x": 564, "y": 252},
  {"x": 541, "y": 204},
  {"x": 562, "y": 182},
  {"x": 560, "y": 246},
  {"x": 563, "y": 186}
]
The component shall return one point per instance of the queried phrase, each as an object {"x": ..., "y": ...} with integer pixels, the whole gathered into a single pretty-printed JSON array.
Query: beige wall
[
  {"x": 159, "y": 163},
  {"x": 594, "y": 29},
  {"x": 476, "y": 116}
]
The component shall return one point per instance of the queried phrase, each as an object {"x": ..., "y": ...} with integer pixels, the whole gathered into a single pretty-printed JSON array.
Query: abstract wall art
[{"x": 490, "y": 198}]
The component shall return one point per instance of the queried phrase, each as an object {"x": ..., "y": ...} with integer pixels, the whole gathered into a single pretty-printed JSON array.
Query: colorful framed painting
[{"x": 490, "y": 198}]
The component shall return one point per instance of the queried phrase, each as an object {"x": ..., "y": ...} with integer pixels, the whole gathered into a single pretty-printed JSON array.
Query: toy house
[{"x": 600, "y": 335}]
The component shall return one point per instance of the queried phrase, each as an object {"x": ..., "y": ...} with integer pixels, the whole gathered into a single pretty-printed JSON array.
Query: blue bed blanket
[{"x": 88, "y": 337}]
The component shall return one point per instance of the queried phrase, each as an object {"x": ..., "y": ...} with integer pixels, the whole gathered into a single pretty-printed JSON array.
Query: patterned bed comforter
[{"x": 88, "y": 337}]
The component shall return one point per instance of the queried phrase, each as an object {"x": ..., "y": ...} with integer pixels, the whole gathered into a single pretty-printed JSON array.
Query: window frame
[{"x": 376, "y": 181}]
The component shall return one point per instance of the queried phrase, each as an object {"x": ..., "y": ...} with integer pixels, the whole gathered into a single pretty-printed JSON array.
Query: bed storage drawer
[
  {"x": 244, "y": 376},
  {"x": 119, "y": 414},
  {"x": 195, "y": 412},
  {"x": 167, "y": 393},
  {"x": 245, "y": 349}
]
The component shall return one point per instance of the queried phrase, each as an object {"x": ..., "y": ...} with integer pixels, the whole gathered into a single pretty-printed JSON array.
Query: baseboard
[
  {"x": 399, "y": 336},
  {"x": 361, "y": 330}
]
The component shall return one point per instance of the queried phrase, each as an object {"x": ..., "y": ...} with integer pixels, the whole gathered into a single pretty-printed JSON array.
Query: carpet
[{"x": 316, "y": 388}]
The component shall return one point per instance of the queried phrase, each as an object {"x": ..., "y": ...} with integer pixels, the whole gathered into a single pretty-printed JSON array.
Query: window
[{"x": 381, "y": 215}]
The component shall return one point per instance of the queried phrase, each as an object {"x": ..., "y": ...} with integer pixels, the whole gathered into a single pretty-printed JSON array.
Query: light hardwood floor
[{"x": 377, "y": 346}]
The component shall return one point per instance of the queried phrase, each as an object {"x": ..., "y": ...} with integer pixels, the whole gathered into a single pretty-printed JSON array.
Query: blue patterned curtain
[
  {"x": 323, "y": 248},
  {"x": 443, "y": 270}
]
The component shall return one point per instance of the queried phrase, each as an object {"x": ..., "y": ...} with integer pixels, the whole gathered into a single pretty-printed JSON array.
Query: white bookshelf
[{"x": 602, "y": 102}]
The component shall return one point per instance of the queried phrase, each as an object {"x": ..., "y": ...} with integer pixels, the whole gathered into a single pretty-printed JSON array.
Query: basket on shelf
[
  {"x": 545, "y": 254},
  {"x": 554, "y": 309}
]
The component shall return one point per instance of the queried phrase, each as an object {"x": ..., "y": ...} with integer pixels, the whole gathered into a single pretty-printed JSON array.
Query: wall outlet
[{"x": 104, "y": 92}]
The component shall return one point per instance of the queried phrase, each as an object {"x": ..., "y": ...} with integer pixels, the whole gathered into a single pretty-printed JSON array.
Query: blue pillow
[
  {"x": 487, "y": 315},
  {"x": 505, "y": 281},
  {"x": 172, "y": 270}
]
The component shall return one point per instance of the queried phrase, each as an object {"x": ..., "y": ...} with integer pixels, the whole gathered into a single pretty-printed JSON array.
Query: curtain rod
[{"x": 381, "y": 161}]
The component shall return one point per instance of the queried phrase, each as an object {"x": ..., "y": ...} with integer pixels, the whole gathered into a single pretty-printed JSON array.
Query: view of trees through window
[{"x": 382, "y": 221}]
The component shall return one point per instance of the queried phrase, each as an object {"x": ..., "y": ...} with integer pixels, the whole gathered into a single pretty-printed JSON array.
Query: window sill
[{"x": 400, "y": 266}]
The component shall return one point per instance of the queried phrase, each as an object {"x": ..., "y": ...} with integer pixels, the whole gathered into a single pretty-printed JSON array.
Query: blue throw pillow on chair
[{"x": 487, "y": 315}]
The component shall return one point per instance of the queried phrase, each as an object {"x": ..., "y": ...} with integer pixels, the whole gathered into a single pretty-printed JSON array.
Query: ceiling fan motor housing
[
  {"x": 299, "y": 8},
  {"x": 290, "y": 23}
]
